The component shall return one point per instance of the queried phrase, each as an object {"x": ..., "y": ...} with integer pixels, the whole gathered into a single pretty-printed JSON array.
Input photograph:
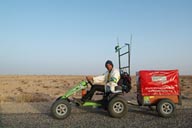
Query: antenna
[
  {"x": 131, "y": 41},
  {"x": 117, "y": 49},
  {"x": 117, "y": 40}
]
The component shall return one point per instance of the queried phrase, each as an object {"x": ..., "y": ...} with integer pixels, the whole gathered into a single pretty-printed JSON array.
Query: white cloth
[{"x": 110, "y": 79}]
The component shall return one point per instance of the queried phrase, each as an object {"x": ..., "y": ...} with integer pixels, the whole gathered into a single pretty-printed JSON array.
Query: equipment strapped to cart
[
  {"x": 125, "y": 80},
  {"x": 126, "y": 67}
]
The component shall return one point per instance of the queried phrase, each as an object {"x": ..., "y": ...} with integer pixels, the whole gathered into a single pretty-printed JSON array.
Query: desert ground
[
  {"x": 25, "y": 102},
  {"x": 45, "y": 88}
]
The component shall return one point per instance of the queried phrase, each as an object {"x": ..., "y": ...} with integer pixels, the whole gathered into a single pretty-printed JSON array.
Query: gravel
[{"x": 97, "y": 118}]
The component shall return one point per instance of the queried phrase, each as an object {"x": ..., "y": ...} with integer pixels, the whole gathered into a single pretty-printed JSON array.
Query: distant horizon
[
  {"x": 71, "y": 74},
  {"x": 65, "y": 75}
]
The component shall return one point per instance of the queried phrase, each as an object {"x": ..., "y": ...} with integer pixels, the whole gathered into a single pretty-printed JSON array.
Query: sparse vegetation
[
  {"x": 24, "y": 82},
  {"x": 54, "y": 81},
  {"x": 46, "y": 88},
  {"x": 39, "y": 81},
  {"x": 19, "y": 89}
]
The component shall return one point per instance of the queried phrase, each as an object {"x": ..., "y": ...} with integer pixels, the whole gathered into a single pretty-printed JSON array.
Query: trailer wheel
[
  {"x": 117, "y": 107},
  {"x": 165, "y": 108},
  {"x": 61, "y": 109}
]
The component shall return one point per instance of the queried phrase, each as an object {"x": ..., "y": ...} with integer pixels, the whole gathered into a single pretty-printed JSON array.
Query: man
[{"x": 110, "y": 79}]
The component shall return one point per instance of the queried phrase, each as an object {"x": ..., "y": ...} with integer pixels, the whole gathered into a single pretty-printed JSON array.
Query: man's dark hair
[{"x": 109, "y": 62}]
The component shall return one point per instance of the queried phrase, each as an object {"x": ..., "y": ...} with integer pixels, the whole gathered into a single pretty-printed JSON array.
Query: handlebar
[{"x": 89, "y": 82}]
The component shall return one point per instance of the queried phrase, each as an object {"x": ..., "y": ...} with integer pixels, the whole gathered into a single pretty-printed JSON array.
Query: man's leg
[{"x": 93, "y": 89}]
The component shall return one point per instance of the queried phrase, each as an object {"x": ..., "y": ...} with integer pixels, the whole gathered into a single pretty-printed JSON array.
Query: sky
[{"x": 76, "y": 37}]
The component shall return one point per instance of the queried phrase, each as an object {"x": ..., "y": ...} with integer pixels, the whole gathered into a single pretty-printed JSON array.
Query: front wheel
[
  {"x": 165, "y": 108},
  {"x": 61, "y": 109},
  {"x": 117, "y": 107}
]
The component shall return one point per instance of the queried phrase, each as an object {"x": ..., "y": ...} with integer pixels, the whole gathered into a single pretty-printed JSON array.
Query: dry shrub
[
  {"x": 54, "y": 81},
  {"x": 19, "y": 89},
  {"x": 38, "y": 84},
  {"x": 39, "y": 81},
  {"x": 45, "y": 86},
  {"x": 24, "y": 82},
  {"x": 57, "y": 86}
]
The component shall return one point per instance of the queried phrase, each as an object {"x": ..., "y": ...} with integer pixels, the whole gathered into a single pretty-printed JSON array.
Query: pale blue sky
[{"x": 78, "y": 36}]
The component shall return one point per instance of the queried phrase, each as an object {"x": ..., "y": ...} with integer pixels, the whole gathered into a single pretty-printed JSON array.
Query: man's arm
[
  {"x": 97, "y": 79},
  {"x": 89, "y": 78}
]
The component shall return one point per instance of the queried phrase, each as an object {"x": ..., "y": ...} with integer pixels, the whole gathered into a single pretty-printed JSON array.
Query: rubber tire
[
  {"x": 56, "y": 104},
  {"x": 160, "y": 108},
  {"x": 112, "y": 112}
]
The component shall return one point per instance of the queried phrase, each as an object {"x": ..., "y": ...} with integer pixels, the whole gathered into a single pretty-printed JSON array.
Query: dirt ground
[{"x": 37, "y": 88}]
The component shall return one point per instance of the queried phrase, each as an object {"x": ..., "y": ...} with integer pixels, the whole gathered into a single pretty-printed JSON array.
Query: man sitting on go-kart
[{"x": 110, "y": 78}]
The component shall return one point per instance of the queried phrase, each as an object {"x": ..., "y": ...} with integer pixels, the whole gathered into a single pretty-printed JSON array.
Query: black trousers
[{"x": 93, "y": 89}]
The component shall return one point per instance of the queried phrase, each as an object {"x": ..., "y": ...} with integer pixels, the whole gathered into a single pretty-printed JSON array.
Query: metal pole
[
  {"x": 129, "y": 58},
  {"x": 119, "y": 60}
]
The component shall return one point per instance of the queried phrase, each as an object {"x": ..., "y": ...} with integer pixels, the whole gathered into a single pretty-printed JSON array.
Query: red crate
[
  {"x": 158, "y": 82},
  {"x": 154, "y": 85}
]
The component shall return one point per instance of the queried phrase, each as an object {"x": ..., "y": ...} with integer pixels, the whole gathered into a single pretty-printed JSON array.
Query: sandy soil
[
  {"x": 35, "y": 88},
  {"x": 46, "y": 88}
]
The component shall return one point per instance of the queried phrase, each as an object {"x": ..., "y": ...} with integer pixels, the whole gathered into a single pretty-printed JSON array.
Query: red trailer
[{"x": 159, "y": 88}]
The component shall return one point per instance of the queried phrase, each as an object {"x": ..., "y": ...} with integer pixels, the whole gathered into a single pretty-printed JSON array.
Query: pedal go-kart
[{"x": 114, "y": 103}]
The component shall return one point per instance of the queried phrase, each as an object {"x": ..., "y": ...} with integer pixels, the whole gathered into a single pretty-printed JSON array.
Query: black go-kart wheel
[
  {"x": 165, "y": 108},
  {"x": 61, "y": 109},
  {"x": 117, "y": 107}
]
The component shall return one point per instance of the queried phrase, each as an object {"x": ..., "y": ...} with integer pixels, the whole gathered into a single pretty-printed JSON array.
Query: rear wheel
[
  {"x": 165, "y": 108},
  {"x": 117, "y": 107},
  {"x": 61, "y": 109}
]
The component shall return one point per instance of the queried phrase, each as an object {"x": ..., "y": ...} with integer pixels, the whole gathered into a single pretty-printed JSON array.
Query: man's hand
[{"x": 89, "y": 78}]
